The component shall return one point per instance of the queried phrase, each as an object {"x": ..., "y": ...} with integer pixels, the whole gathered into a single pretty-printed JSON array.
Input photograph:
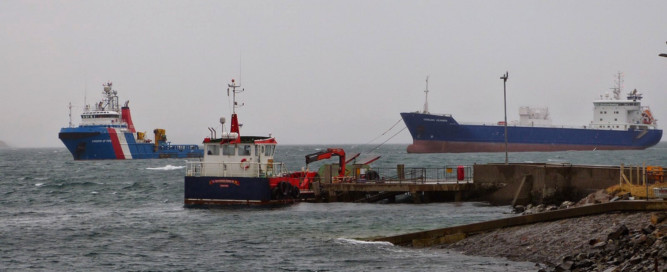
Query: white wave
[
  {"x": 362, "y": 242},
  {"x": 39, "y": 184},
  {"x": 167, "y": 167}
]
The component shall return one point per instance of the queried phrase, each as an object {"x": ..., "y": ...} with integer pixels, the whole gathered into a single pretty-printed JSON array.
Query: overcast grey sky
[{"x": 320, "y": 72}]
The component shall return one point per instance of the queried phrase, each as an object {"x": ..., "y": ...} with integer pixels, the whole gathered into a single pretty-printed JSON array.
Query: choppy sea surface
[{"x": 59, "y": 214}]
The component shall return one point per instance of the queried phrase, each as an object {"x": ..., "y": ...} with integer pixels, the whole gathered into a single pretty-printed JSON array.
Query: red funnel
[{"x": 127, "y": 118}]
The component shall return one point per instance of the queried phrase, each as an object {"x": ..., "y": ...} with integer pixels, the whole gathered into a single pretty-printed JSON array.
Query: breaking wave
[
  {"x": 362, "y": 242},
  {"x": 167, "y": 167}
]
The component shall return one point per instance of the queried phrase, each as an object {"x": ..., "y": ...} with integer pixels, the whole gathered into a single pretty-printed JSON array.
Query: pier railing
[{"x": 414, "y": 175}]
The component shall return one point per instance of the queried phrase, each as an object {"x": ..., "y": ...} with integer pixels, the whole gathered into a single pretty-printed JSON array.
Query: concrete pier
[
  {"x": 358, "y": 192},
  {"x": 499, "y": 184},
  {"x": 454, "y": 234}
]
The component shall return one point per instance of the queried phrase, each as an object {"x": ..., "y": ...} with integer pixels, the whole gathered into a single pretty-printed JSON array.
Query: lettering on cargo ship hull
[{"x": 435, "y": 120}]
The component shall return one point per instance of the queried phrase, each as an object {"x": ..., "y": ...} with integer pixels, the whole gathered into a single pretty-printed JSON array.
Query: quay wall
[
  {"x": 543, "y": 183},
  {"x": 497, "y": 183}
]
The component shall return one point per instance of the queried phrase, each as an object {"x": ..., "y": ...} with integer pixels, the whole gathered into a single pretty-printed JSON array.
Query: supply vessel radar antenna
[{"x": 426, "y": 101}]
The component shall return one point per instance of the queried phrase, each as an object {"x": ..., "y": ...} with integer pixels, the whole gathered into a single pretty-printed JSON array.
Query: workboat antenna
[
  {"x": 234, "y": 91},
  {"x": 426, "y": 101}
]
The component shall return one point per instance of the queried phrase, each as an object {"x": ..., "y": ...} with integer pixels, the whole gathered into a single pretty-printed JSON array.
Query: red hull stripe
[
  {"x": 115, "y": 144},
  {"x": 463, "y": 147}
]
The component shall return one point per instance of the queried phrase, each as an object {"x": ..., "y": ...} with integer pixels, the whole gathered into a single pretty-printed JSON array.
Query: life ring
[
  {"x": 646, "y": 121},
  {"x": 647, "y": 117},
  {"x": 244, "y": 164}
]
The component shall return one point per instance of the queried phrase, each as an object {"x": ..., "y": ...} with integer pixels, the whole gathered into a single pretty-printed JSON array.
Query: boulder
[
  {"x": 658, "y": 217},
  {"x": 636, "y": 259},
  {"x": 661, "y": 231},
  {"x": 599, "y": 245},
  {"x": 618, "y": 232},
  {"x": 612, "y": 269},
  {"x": 648, "y": 229},
  {"x": 566, "y": 265},
  {"x": 566, "y": 204}
]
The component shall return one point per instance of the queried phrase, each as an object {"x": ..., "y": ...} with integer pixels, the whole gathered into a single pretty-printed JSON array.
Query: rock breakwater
[{"x": 616, "y": 241}]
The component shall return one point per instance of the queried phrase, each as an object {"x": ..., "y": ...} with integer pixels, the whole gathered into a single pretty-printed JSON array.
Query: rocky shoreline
[{"x": 619, "y": 241}]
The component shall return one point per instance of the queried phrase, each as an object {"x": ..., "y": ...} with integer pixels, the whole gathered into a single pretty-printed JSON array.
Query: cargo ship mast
[
  {"x": 70, "y": 114},
  {"x": 426, "y": 101},
  {"x": 619, "y": 86}
]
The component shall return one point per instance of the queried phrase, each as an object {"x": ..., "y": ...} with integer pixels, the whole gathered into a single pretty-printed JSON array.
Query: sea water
[{"x": 60, "y": 214}]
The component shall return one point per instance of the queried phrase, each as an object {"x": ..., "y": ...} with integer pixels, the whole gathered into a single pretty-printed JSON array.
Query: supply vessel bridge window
[{"x": 88, "y": 116}]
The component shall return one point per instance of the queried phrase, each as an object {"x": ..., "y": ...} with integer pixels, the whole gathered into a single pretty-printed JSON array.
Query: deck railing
[
  {"x": 418, "y": 175},
  {"x": 236, "y": 169}
]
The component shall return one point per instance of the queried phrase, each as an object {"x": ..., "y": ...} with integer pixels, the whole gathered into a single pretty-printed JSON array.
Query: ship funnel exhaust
[{"x": 127, "y": 117}]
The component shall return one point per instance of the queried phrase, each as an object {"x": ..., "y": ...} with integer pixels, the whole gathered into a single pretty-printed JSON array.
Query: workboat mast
[{"x": 235, "y": 121}]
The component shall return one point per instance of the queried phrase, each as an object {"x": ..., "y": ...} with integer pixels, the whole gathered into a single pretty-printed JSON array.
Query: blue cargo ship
[
  {"x": 617, "y": 124},
  {"x": 107, "y": 132}
]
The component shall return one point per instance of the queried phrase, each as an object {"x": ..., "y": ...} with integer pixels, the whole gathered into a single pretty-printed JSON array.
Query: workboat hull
[
  {"x": 442, "y": 134},
  {"x": 216, "y": 191},
  {"x": 240, "y": 170},
  {"x": 109, "y": 143}
]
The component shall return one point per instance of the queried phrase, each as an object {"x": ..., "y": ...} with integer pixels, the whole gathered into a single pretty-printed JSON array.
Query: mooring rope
[
  {"x": 392, "y": 127},
  {"x": 392, "y": 136}
]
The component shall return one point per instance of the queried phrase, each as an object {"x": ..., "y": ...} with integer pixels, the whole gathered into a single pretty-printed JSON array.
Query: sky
[{"x": 320, "y": 72}]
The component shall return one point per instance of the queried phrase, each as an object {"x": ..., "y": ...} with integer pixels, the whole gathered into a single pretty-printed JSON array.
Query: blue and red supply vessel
[
  {"x": 107, "y": 132},
  {"x": 617, "y": 124},
  {"x": 240, "y": 169}
]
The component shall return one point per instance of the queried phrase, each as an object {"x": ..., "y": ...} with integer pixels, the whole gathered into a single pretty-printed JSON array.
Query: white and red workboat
[{"x": 240, "y": 169}]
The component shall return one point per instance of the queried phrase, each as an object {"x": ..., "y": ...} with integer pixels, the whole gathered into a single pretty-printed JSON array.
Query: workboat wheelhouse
[{"x": 233, "y": 155}]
